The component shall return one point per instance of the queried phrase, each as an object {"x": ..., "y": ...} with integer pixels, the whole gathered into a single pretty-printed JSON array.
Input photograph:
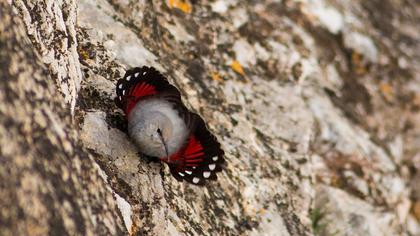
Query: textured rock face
[
  {"x": 346, "y": 215},
  {"x": 51, "y": 25},
  {"x": 316, "y": 104},
  {"x": 48, "y": 182}
]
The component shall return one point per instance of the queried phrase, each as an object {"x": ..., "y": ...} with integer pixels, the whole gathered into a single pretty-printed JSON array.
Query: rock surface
[
  {"x": 316, "y": 104},
  {"x": 49, "y": 184}
]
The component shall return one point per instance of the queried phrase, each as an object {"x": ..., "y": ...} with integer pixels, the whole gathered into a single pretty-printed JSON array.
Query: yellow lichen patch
[
  {"x": 215, "y": 76},
  {"x": 181, "y": 5},
  {"x": 416, "y": 100},
  {"x": 83, "y": 54},
  {"x": 357, "y": 61},
  {"x": 386, "y": 90},
  {"x": 237, "y": 67},
  {"x": 416, "y": 210},
  {"x": 261, "y": 211}
]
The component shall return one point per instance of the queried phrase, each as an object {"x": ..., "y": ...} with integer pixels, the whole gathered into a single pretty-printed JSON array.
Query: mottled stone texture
[
  {"x": 51, "y": 26},
  {"x": 316, "y": 103},
  {"x": 48, "y": 183}
]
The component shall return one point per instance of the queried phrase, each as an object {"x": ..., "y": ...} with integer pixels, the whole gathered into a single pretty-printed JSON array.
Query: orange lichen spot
[
  {"x": 386, "y": 90},
  {"x": 261, "y": 211},
  {"x": 237, "y": 67},
  {"x": 181, "y": 5},
  {"x": 357, "y": 61},
  {"x": 356, "y": 58},
  {"x": 416, "y": 210},
  {"x": 416, "y": 100},
  {"x": 215, "y": 76}
]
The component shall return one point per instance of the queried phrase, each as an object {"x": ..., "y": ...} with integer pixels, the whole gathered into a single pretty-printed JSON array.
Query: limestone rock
[{"x": 315, "y": 103}]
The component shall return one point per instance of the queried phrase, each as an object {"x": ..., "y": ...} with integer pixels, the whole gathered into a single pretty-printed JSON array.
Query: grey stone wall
[{"x": 316, "y": 104}]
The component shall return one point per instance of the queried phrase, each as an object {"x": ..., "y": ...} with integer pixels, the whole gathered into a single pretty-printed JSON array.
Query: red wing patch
[
  {"x": 200, "y": 159},
  {"x": 139, "y": 83}
]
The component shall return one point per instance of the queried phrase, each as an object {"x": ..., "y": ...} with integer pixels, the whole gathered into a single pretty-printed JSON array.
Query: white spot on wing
[
  {"x": 212, "y": 166},
  {"x": 120, "y": 86},
  {"x": 215, "y": 158},
  {"x": 181, "y": 174},
  {"x": 196, "y": 180},
  {"x": 136, "y": 74},
  {"x": 128, "y": 78},
  {"x": 123, "y": 92},
  {"x": 206, "y": 174},
  {"x": 194, "y": 167},
  {"x": 144, "y": 73},
  {"x": 188, "y": 172}
]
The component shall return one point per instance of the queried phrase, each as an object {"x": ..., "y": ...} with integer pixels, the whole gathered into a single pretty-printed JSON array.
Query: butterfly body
[{"x": 161, "y": 126}]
